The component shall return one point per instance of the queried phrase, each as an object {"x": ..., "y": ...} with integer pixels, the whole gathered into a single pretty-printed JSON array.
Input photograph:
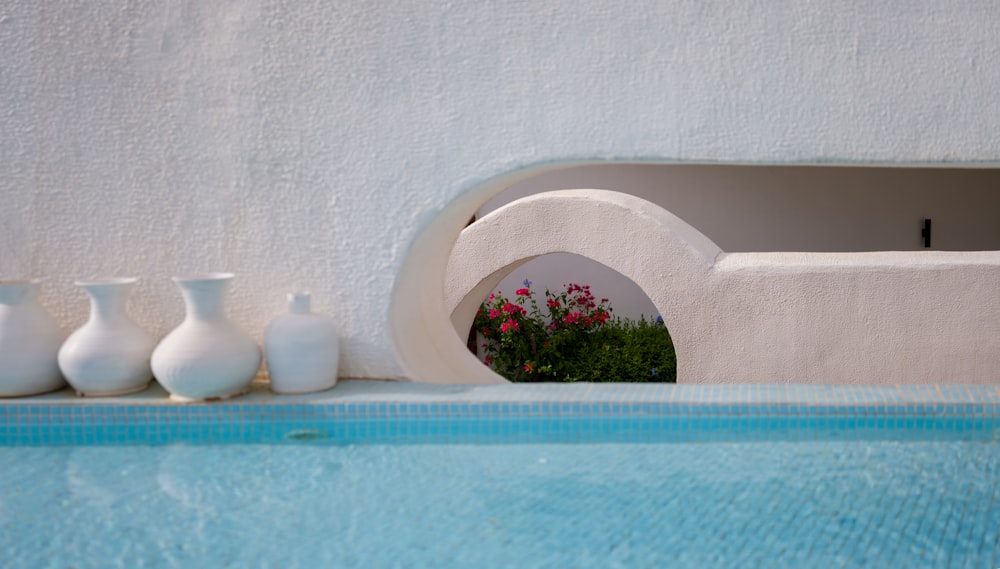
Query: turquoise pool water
[
  {"x": 369, "y": 479},
  {"x": 801, "y": 504}
]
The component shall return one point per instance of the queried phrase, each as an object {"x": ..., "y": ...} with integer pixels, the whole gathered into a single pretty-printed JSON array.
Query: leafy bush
[{"x": 575, "y": 339}]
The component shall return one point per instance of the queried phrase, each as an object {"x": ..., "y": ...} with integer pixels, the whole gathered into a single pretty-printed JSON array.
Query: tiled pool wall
[{"x": 366, "y": 412}]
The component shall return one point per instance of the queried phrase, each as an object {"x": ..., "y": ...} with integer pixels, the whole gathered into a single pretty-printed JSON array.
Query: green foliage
[{"x": 575, "y": 339}]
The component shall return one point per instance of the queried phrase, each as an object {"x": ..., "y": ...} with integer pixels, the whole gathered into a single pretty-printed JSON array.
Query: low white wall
[{"x": 843, "y": 318}]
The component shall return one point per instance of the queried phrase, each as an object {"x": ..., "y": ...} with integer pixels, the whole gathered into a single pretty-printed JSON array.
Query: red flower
[
  {"x": 553, "y": 303},
  {"x": 522, "y": 292},
  {"x": 511, "y": 308},
  {"x": 509, "y": 326},
  {"x": 488, "y": 360},
  {"x": 494, "y": 313},
  {"x": 529, "y": 367}
]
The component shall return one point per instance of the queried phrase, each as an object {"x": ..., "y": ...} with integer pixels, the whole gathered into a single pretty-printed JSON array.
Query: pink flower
[
  {"x": 494, "y": 313},
  {"x": 572, "y": 317},
  {"x": 511, "y": 308},
  {"x": 553, "y": 303},
  {"x": 529, "y": 367},
  {"x": 522, "y": 292},
  {"x": 488, "y": 360},
  {"x": 509, "y": 325}
]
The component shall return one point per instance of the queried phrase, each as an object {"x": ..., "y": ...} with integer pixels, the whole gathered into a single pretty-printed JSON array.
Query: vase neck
[
  {"x": 204, "y": 299},
  {"x": 299, "y": 303},
  {"x": 108, "y": 302}
]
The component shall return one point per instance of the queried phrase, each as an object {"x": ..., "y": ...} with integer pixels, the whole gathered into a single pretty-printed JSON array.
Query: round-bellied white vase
[
  {"x": 29, "y": 342},
  {"x": 207, "y": 357},
  {"x": 302, "y": 349},
  {"x": 110, "y": 354}
]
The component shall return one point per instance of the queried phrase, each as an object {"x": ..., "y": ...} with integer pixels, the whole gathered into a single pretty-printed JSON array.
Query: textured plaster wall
[{"x": 341, "y": 147}]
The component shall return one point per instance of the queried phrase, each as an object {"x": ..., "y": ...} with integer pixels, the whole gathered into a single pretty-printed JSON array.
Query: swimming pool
[{"x": 403, "y": 475}]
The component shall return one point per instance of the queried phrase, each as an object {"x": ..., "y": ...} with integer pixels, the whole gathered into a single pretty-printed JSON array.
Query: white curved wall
[{"x": 342, "y": 148}]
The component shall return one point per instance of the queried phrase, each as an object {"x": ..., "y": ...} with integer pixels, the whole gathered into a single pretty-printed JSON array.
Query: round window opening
[{"x": 562, "y": 317}]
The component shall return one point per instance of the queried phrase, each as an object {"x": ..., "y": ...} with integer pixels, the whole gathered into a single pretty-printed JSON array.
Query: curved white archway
[
  {"x": 847, "y": 318},
  {"x": 660, "y": 252},
  {"x": 657, "y": 250}
]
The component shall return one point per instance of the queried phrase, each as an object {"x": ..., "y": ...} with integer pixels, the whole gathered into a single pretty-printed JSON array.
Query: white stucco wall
[{"x": 341, "y": 148}]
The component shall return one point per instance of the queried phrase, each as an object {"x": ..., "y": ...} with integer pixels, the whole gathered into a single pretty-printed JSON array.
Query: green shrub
[{"x": 575, "y": 339}]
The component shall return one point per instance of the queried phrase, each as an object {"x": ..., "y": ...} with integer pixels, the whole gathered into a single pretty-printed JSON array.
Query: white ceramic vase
[
  {"x": 302, "y": 349},
  {"x": 29, "y": 342},
  {"x": 110, "y": 354},
  {"x": 207, "y": 357}
]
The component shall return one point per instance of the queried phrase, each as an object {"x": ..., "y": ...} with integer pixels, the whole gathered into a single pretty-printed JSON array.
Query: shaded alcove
[
  {"x": 808, "y": 208},
  {"x": 803, "y": 208}
]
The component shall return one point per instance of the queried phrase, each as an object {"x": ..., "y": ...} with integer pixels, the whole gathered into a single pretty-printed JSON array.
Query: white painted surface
[{"x": 341, "y": 149}]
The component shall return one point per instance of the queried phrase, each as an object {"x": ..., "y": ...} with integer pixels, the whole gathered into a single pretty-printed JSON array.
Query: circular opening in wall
[
  {"x": 656, "y": 253},
  {"x": 562, "y": 317}
]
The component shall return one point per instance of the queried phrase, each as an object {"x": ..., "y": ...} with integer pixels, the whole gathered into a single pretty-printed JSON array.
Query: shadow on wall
[{"x": 802, "y": 208}]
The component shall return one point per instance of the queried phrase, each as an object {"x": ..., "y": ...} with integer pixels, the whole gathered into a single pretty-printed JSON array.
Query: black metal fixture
[{"x": 926, "y": 233}]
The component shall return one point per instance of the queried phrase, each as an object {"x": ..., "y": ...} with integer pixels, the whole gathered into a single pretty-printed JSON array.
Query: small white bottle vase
[
  {"x": 207, "y": 357},
  {"x": 302, "y": 349},
  {"x": 110, "y": 354},
  {"x": 29, "y": 342}
]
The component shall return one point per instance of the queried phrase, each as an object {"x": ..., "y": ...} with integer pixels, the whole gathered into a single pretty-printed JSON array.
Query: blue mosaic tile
[{"x": 381, "y": 412}]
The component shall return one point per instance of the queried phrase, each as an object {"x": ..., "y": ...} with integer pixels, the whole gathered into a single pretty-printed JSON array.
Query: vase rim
[
  {"x": 203, "y": 277},
  {"x": 106, "y": 281}
]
